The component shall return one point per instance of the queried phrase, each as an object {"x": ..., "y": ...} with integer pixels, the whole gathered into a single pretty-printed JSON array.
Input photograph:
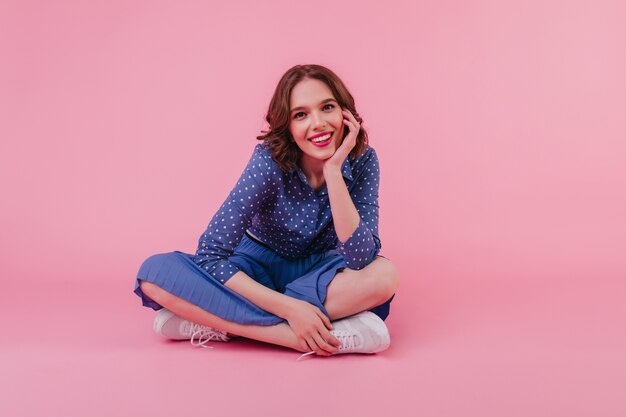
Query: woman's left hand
[{"x": 335, "y": 161}]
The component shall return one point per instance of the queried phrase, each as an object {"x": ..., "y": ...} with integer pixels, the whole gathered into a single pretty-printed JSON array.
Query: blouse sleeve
[
  {"x": 228, "y": 225},
  {"x": 363, "y": 245}
]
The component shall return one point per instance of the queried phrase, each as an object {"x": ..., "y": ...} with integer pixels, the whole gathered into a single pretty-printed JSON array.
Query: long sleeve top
[{"x": 283, "y": 211}]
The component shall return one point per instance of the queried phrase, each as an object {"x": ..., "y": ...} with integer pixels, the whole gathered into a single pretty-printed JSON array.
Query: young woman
[{"x": 291, "y": 257}]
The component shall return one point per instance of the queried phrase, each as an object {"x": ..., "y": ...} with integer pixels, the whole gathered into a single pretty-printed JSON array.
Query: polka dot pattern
[{"x": 283, "y": 211}]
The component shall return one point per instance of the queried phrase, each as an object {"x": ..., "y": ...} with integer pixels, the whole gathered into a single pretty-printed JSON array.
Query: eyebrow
[{"x": 321, "y": 102}]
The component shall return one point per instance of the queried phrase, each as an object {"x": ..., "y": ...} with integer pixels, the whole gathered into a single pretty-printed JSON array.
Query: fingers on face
[
  {"x": 352, "y": 124},
  {"x": 350, "y": 116}
]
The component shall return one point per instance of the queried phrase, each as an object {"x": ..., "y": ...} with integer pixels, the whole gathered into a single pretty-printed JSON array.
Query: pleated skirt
[{"x": 305, "y": 278}]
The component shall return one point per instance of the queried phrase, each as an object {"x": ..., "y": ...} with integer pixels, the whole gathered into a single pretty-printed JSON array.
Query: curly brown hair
[{"x": 285, "y": 152}]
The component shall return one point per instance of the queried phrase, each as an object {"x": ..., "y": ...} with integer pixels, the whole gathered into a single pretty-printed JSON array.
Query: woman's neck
[{"x": 313, "y": 170}]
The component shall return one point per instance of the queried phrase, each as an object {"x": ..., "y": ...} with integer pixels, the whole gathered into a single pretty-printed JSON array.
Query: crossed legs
[{"x": 350, "y": 292}]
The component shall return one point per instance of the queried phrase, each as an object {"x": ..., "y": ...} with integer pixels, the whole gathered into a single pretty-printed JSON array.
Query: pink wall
[
  {"x": 124, "y": 125},
  {"x": 500, "y": 127}
]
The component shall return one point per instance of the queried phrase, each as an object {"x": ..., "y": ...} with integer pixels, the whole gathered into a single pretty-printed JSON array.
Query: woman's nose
[{"x": 317, "y": 120}]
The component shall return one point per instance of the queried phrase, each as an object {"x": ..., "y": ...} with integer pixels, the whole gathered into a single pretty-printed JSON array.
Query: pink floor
[{"x": 483, "y": 347}]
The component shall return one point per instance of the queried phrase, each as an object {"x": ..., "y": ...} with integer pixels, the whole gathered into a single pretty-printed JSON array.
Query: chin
[
  {"x": 321, "y": 154},
  {"x": 327, "y": 153}
]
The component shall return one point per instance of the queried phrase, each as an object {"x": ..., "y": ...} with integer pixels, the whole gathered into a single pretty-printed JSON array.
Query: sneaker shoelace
[
  {"x": 348, "y": 339},
  {"x": 205, "y": 334}
]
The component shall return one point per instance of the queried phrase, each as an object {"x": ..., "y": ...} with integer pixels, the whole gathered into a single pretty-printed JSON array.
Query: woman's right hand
[{"x": 311, "y": 326}]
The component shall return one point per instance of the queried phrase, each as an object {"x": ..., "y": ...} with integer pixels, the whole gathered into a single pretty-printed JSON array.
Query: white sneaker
[
  {"x": 364, "y": 332},
  {"x": 171, "y": 326}
]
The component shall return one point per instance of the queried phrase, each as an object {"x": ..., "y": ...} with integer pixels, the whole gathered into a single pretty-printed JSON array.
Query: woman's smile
[{"x": 322, "y": 139}]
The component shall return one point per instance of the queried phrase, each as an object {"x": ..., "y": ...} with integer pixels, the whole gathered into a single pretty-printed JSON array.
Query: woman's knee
[{"x": 386, "y": 278}]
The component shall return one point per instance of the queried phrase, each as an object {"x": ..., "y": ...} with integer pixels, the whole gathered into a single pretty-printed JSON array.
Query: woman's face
[{"x": 315, "y": 114}]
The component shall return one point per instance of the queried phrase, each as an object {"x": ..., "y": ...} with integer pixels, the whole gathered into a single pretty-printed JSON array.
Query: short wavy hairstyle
[{"x": 285, "y": 152}]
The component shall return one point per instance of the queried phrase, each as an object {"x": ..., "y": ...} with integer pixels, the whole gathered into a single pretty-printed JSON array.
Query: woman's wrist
[
  {"x": 287, "y": 306},
  {"x": 330, "y": 171}
]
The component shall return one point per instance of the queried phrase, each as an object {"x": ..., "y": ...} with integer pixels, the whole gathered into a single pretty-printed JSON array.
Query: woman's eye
[{"x": 295, "y": 116}]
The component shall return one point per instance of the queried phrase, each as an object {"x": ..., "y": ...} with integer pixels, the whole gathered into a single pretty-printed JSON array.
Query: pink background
[{"x": 501, "y": 132}]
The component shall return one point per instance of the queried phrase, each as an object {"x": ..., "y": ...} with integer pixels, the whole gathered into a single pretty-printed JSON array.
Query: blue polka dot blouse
[{"x": 283, "y": 211}]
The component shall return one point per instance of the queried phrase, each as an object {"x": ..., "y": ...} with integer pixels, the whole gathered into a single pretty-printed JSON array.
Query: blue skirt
[{"x": 304, "y": 278}]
